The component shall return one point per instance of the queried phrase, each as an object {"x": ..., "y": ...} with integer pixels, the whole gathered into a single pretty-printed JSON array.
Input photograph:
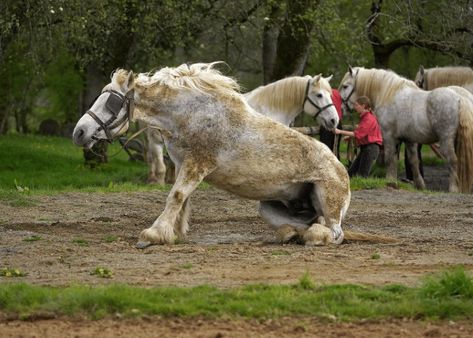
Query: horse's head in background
[
  {"x": 420, "y": 79},
  {"x": 347, "y": 89},
  {"x": 109, "y": 115},
  {"x": 318, "y": 101}
]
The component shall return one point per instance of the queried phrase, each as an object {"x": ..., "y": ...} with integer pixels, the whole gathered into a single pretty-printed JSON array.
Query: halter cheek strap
[
  {"x": 313, "y": 103},
  {"x": 113, "y": 122}
]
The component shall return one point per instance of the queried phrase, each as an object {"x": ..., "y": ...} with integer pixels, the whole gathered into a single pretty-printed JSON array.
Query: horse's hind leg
[
  {"x": 414, "y": 161},
  {"x": 332, "y": 204},
  {"x": 277, "y": 214}
]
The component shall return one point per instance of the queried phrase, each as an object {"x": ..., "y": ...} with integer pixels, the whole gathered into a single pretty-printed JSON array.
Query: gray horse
[{"x": 407, "y": 113}]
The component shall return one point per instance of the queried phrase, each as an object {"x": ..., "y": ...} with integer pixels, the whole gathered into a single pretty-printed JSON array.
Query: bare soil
[{"x": 228, "y": 246}]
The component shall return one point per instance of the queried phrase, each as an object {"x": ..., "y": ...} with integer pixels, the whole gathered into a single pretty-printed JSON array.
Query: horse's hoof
[{"x": 143, "y": 245}]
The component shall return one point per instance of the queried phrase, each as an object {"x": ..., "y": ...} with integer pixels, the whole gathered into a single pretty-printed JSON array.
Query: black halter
[
  {"x": 345, "y": 101},
  {"x": 307, "y": 98},
  {"x": 114, "y": 104}
]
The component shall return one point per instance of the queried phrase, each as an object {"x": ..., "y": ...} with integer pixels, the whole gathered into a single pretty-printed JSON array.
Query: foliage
[{"x": 445, "y": 296}]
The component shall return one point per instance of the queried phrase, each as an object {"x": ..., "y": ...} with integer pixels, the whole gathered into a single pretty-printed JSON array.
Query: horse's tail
[
  {"x": 464, "y": 146},
  {"x": 364, "y": 237}
]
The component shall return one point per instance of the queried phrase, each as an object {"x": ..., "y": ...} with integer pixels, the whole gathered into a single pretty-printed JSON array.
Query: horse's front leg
[
  {"x": 390, "y": 156},
  {"x": 331, "y": 200},
  {"x": 414, "y": 161},
  {"x": 173, "y": 220}
]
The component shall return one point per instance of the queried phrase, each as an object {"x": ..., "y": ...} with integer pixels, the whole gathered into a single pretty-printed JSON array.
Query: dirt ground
[{"x": 228, "y": 246}]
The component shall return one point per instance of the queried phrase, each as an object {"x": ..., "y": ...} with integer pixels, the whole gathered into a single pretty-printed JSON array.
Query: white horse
[
  {"x": 284, "y": 99},
  {"x": 407, "y": 113},
  {"x": 431, "y": 78},
  {"x": 212, "y": 134}
]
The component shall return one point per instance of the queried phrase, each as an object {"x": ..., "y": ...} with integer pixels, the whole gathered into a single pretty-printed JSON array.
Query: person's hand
[{"x": 336, "y": 131}]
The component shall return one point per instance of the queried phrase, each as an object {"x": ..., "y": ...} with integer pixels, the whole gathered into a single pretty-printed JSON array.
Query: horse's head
[
  {"x": 318, "y": 101},
  {"x": 109, "y": 115},
  {"x": 347, "y": 88},
  {"x": 420, "y": 78}
]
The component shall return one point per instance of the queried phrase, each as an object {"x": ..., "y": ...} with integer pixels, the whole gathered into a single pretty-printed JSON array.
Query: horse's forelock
[{"x": 119, "y": 76}]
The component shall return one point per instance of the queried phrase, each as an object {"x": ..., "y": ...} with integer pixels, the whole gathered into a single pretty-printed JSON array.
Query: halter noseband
[
  {"x": 114, "y": 104},
  {"x": 307, "y": 98}
]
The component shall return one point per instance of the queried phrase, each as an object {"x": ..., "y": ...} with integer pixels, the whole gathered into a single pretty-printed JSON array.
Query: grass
[
  {"x": 37, "y": 164},
  {"x": 448, "y": 295}
]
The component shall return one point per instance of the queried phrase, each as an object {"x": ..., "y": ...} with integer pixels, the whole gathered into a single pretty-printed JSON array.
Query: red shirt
[
  {"x": 368, "y": 130},
  {"x": 337, "y": 102}
]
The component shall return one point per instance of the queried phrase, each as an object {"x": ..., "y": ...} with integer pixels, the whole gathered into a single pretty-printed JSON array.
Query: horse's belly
[{"x": 254, "y": 188}]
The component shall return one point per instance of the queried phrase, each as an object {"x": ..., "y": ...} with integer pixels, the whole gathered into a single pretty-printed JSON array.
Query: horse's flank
[{"x": 379, "y": 84}]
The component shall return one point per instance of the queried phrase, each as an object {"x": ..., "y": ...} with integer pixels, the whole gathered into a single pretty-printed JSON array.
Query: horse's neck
[{"x": 259, "y": 100}]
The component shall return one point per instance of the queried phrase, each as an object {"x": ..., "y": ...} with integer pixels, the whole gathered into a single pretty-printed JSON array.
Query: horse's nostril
[
  {"x": 333, "y": 122},
  {"x": 80, "y": 133}
]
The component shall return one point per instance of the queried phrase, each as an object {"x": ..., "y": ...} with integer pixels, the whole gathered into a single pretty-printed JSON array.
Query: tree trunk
[{"x": 293, "y": 43}]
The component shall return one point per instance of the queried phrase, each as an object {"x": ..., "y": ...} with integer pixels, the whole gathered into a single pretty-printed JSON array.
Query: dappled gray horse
[
  {"x": 212, "y": 134},
  {"x": 407, "y": 113}
]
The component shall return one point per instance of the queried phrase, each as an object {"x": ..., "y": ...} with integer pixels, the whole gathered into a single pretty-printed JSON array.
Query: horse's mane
[
  {"x": 378, "y": 84},
  {"x": 282, "y": 94},
  {"x": 448, "y": 76},
  {"x": 198, "y": 76}
]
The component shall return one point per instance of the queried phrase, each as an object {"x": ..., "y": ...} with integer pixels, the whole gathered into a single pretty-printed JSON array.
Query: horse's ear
[
  {"x": 130, "y": 81},
  {"x": 328, "y": 78},
  {"x": 316, "y": 78},
  {"x": 421, "y": 70},
  {"x": 350, "y": 69}
]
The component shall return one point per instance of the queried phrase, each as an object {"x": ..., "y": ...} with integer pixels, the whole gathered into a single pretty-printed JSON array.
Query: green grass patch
[
  {"x": 11, "y": 272},
  {"x": 102, "y": 272},
  {"x": 33, "y": 238},
  {"x": 80, "y": 242},
  {"x": 445, "y": 296},
  {"x": 34, "y": 164},
  {"x": 375, "y": 256},
  {"x": 110, "y": 238}
]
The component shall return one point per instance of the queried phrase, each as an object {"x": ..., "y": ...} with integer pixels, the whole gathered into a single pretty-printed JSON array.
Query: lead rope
[{"x": 135, "y": 135}]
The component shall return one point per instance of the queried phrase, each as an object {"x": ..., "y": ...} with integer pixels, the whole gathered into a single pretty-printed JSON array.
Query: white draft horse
[
  {"x": 408, "y": 113},
  {"x": 284, "y": 99}
]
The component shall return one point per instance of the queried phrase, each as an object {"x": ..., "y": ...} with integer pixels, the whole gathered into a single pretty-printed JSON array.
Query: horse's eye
[
  {"x": 345, "y": 86},
  {"x": 319, "y": 96}
]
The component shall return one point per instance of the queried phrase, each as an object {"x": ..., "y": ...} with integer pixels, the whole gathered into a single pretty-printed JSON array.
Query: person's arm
[{"x": 344, "y": 132}]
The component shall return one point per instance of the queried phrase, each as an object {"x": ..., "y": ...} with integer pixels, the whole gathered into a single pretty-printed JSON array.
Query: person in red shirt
[
  {"x": 367, "y": 136},
  {"x": 327, "y": 136}
]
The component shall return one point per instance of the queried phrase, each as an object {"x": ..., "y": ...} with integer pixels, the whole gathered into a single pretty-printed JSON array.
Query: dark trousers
[
  {"x": 364, "y": 161},
  {"x": 328, "y": 138}
]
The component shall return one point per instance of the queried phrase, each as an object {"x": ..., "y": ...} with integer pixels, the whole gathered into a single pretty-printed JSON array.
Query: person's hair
[{"x": 364, "y": 101}]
